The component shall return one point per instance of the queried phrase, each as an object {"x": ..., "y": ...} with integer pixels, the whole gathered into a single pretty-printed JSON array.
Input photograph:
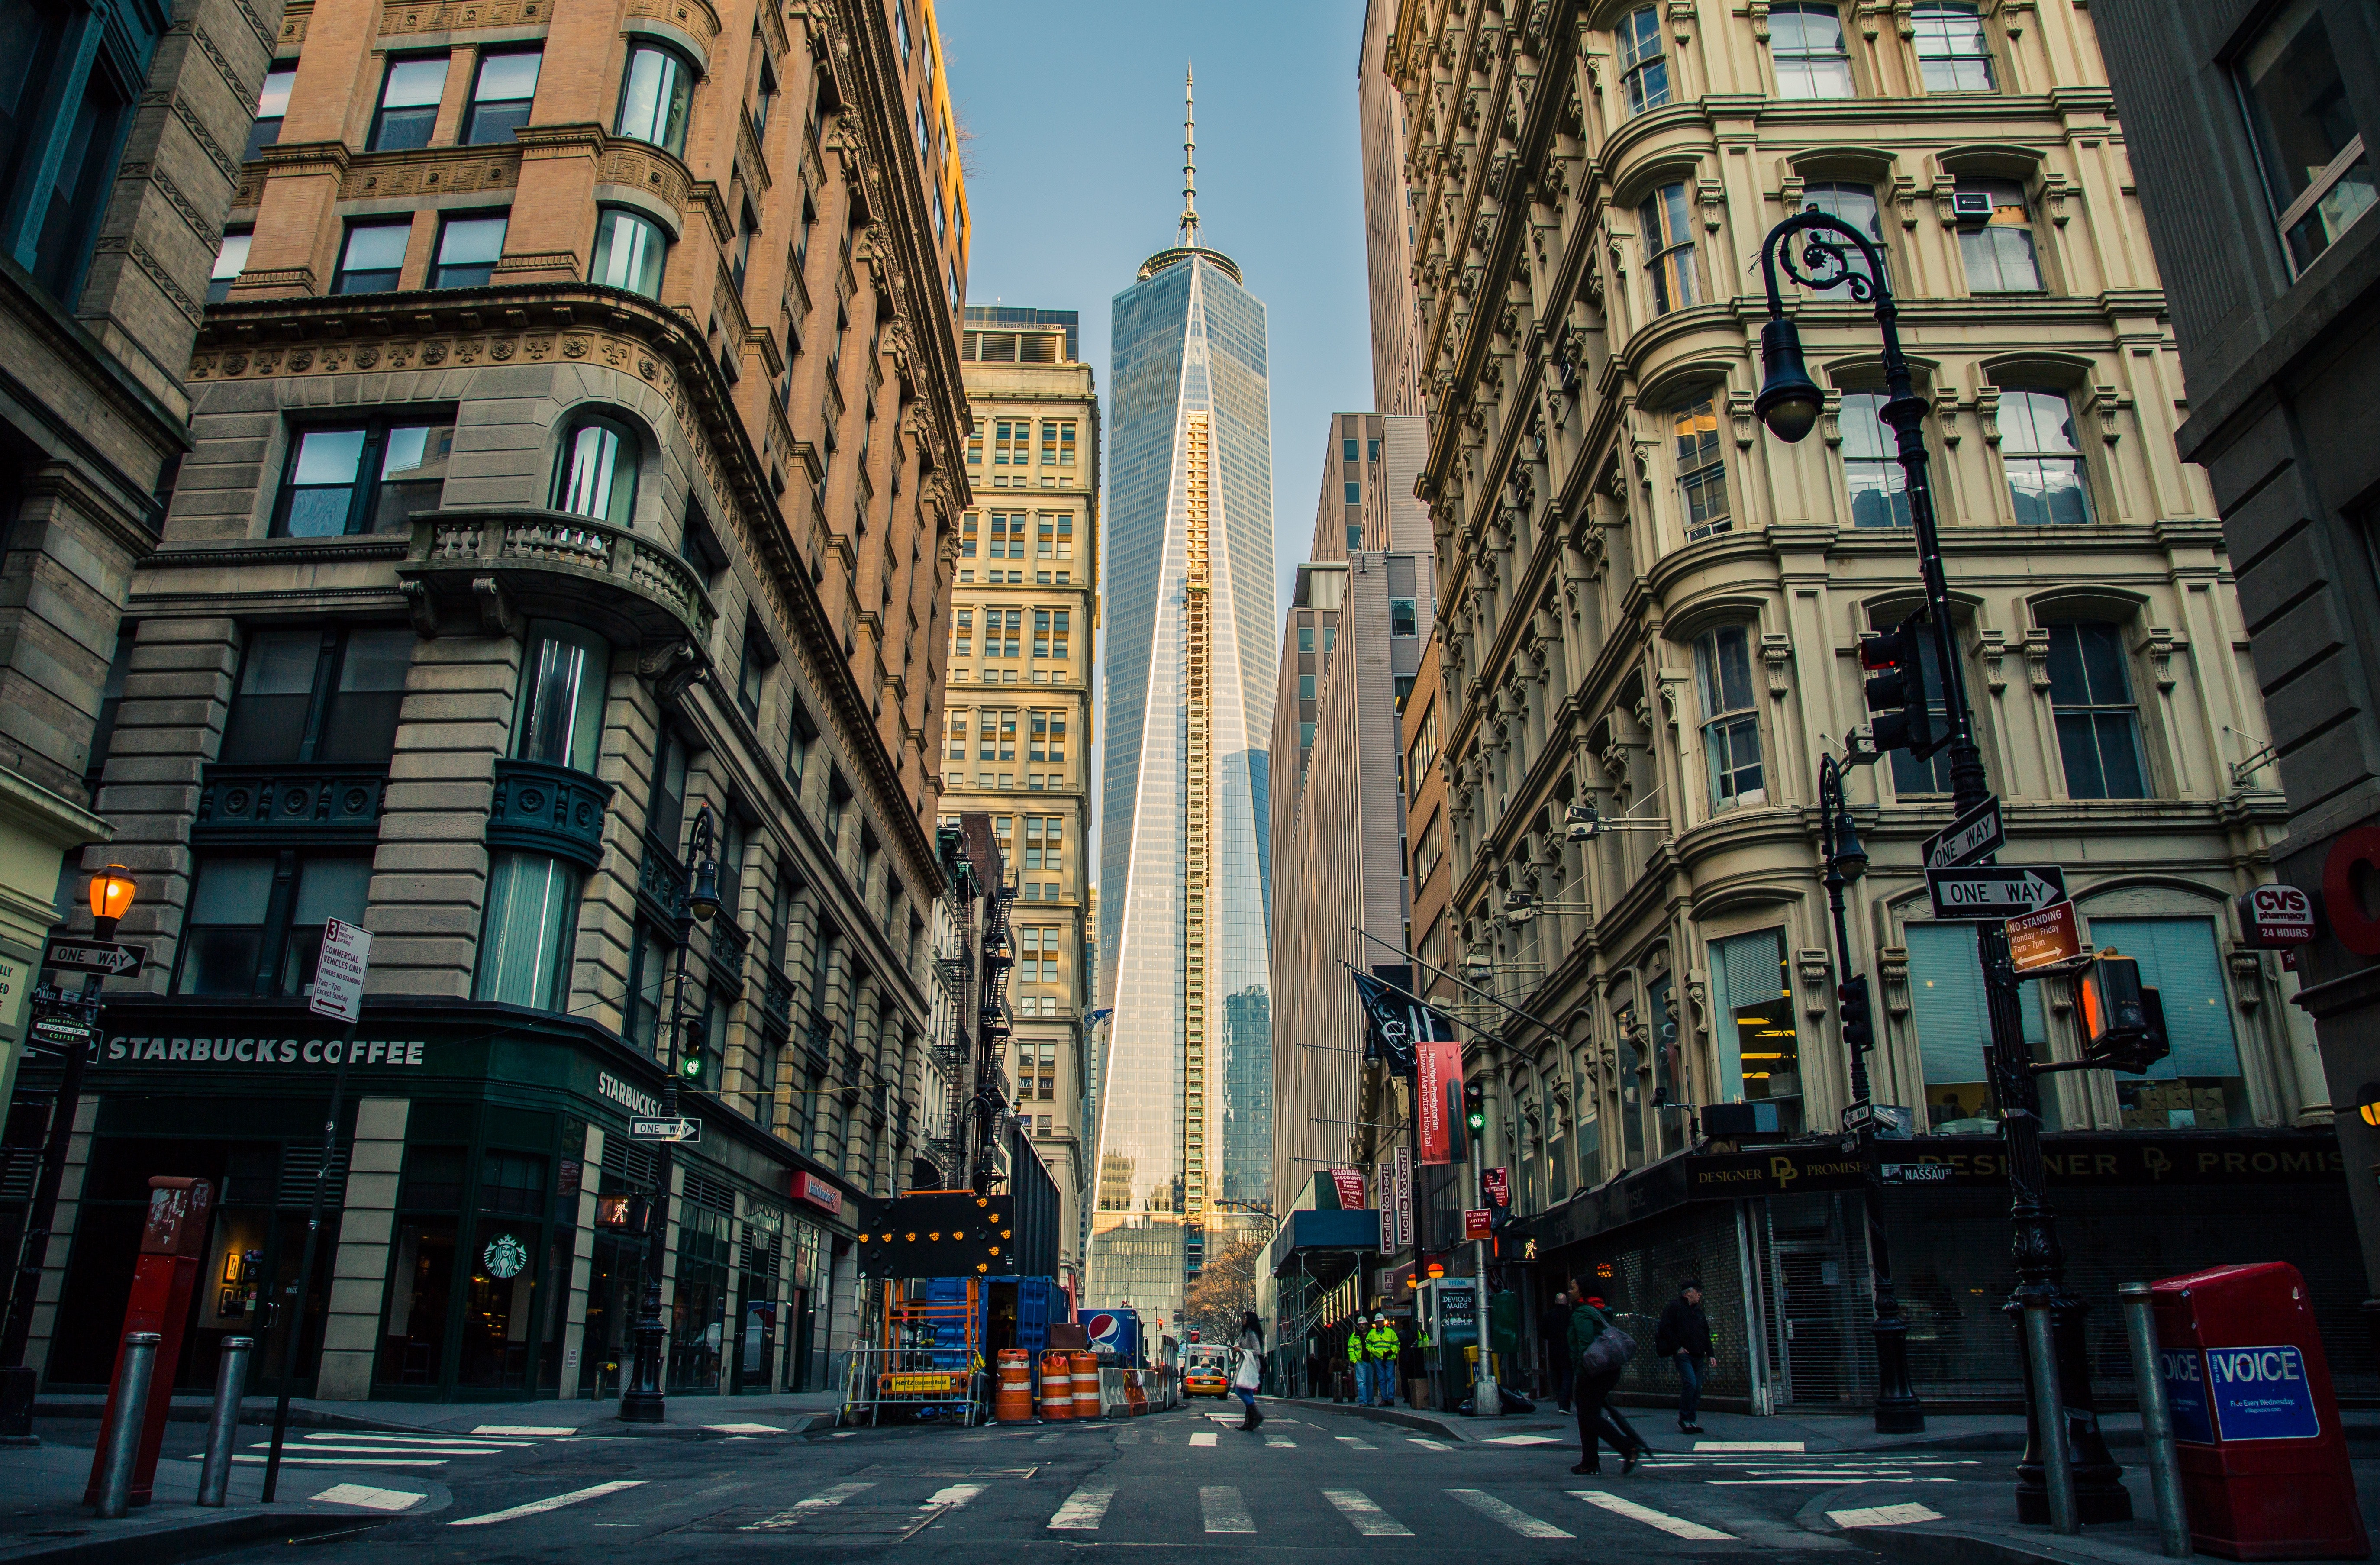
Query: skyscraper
[{"x": 1185, "y": 916}]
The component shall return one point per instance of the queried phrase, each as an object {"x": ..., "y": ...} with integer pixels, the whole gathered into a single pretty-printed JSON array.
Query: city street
[{"x": 1332, "y": 1486}]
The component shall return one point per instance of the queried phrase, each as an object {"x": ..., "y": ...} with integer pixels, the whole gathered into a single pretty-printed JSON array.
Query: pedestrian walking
[
  {"x": 1412, "y": 1365},
  {"x": 1380, "y": 1349},
  {"x": 1357, "y": 1366},
  {"x": 1248, "y": 1372},
  {"x": 1683, "y": 1337},
  {"x": 1598, "y": 1351},
  {"x": 1553, "y": 1336}
]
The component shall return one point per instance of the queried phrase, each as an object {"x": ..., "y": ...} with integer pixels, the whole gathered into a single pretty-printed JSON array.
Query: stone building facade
[
  {"x": 1648, "y": 606},
  {"x": 1018, "y": 748},
  {"x": 2249, "y": 131},
  {"x": 578, "y": 457}
]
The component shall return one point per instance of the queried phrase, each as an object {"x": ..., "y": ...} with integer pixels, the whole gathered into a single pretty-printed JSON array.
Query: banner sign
[
  {"x": 1349, "y": 1183},
  {"x": 1404, "y": 1197},
  {"x": 1440, "y": 1063}
]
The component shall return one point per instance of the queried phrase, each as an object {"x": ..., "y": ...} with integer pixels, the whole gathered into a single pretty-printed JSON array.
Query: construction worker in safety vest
[
  {"x": 1357, "y": 1366},
  {"x": 1380, "y": 1347}
]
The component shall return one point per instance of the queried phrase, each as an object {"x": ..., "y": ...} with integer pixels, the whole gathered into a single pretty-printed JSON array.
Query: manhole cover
[{"x": 889, "y": 1523}]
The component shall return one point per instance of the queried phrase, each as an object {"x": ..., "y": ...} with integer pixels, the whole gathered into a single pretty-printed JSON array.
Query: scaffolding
[{"x": 929, "y": 1362}]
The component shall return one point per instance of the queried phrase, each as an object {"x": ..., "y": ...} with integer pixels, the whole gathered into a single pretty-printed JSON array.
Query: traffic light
[
  {"x": 689, "y": 1052},
  {"x": 1474, "y": 1107},
  {"x": 1859, "y": 1022},
  {"x": 1898, "y": 716},
  {"x": 2124, "y": 1023}
]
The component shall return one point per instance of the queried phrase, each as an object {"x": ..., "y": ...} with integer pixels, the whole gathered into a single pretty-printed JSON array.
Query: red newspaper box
[{"x": 2264, "y": 1460}]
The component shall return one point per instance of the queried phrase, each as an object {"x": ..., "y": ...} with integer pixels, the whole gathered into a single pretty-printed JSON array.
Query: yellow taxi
[{"x": 1207, "y": 1370}]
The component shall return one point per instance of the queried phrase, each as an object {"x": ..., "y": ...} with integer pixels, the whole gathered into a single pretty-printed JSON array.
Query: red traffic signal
[{"x": 1898, "y": 714}]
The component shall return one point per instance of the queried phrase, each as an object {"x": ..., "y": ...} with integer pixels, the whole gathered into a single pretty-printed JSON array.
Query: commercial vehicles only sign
[{"x": 338, "y": 990}]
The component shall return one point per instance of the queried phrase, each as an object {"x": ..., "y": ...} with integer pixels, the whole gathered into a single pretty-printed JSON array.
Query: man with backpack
[
  {"x": 1598, "y": 1351},
  {"x": 1683, "y": 1338}
]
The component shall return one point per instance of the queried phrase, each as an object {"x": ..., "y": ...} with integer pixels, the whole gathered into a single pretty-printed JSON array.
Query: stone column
[
  {"x": 360, "y": 1273},
  {"x": 582, "y": 1263}
]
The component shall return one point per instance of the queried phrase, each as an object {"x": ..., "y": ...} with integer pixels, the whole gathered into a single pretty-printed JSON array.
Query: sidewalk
[
  {"x": 691, "y": 1417},
  {"x": 48, "y": 1522}
]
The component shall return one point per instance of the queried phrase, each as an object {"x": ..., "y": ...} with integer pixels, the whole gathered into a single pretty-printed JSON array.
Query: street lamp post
[
  {"x": 1790, "y": 403},
  {"x": 642, "y": 1401},
  {"x": 1898, "y": 1411}
]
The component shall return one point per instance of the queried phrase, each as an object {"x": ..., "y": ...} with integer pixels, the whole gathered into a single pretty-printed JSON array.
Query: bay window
[
  {"x": 532, "y": 919},
  {"x": 1643, "y": 68},
  {"x": 559, "y": 716},
  {"x": 655, "y": 93},
  {"x": 597, "y": 474}
]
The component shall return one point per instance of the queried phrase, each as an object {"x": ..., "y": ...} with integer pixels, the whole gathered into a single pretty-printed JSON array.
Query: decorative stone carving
[
  {"x": 1777, "y": 650},
  {"x": 2036, "y": 657},
  {"x": 1994, "y": 643}
]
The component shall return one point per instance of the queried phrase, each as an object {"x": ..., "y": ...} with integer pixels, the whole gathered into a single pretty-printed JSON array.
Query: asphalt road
[{"x": 1187, "y": 1483}]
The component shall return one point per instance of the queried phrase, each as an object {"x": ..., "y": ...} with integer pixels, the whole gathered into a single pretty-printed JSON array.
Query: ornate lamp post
[
  {"x": 642, "y": 1400},
  {"x": 1831, "y": 253},
  {"x": 1898, "y": 1411}
]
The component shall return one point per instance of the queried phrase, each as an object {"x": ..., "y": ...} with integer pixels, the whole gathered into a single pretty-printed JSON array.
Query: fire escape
[{"x": 991, "y": 1106}]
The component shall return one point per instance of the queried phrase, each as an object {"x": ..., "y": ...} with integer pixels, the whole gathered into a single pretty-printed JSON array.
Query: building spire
[{"x": 1189, "y": 163}]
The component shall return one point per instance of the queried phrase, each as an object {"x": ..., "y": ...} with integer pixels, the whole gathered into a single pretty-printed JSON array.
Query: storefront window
[
  {"x": 698, "y": 1307},
  {"x": 2199, "y": 1085},
  {"x": 1759, "y": 1051},
  {"x": 420, "y": 1281},
  {"x": 1946, "y": 998},
  {"x": 531, "y": 922},
  {"x": 561, "y": 716},
  {"x": 497, "y": 1310}
]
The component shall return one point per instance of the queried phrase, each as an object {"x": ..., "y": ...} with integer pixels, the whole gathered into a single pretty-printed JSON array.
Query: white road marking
[
  {"x": 1525, "y": 1440},
  {"x": 834, "y": 1495},
  {"x": 1495, "y": 1510},
  {"x": 300, "y": 1457},
  {"x": 1224, "y": 1510},
  {"x": 1083, "y": 1510},
  {"x": 1204, "y": 1437},
  {"x": 1812, "y": 1483},
  {"x": 1750, "y": 1445},
  {"x": 745, "y": 1428},
  {"x": 519, "y": 1429},
  {"x": 1281, "y": 1441},
  {"x": 1884, "y": 1515},
  {"x": 1359, "y": 1445},
  {"x": 428, "y": 1442},
  {"x": 1675, "y": 1527},
  {"x": 1366, "y": 1517},
  {"x": 1426, "y": 1445},
  {"x": 551, "y": 1502},
  {"x": 954, "y": 1495},
  {"x": 370, "y": 1497}
]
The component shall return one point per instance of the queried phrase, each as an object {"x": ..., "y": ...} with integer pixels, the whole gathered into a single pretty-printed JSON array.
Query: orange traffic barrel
[
  {"x": 1012, "y": 1401},
  {"x": 1086, "y": 1386},
  {"x": 1057, "y": 1385}
]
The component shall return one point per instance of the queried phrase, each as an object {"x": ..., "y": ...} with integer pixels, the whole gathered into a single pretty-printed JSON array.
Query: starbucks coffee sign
[{"x": 504, "y": 1255}]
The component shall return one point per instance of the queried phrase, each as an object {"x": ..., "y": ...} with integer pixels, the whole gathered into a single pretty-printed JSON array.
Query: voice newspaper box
[{"x": 2264, "y": 1460}]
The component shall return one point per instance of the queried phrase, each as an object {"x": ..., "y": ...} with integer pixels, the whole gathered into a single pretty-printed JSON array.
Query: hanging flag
[
  {"x": 1438, "y": 1065},
  {"x": 1400, "y": 1022}
]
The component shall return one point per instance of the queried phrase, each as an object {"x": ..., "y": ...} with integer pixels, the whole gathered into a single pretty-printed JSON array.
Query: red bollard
[{"x": 171, "y": 1243}]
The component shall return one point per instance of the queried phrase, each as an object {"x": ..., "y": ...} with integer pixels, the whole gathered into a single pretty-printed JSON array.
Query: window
[
  {"x": 1306, "y": 687},
  {"x": 2316, "y": 173},
  {"x": 2045, "y": 466},
  {"x": 665, "y": 814},
  {"x": 900, "y": 28},
  {"x": 1912, "y": 777},
  {"x": 753, "y": 679},
  {"x": 654, "y": 96},
  {"x": 1354, "y": 494},
  {"x": 409, "y": 93},
  {"x": 560, "y": 719},
  {"x": 272, "y": 106},
  {"x": 1355, "y": 539},
  {"x": 2098, "y": 726},
  {"x": 1331, "y": 636},
  {"x": 596, "y": 475},
  {"x": 1879, "y": 489},
  {"x": 374, "y": 255},
  {"x": 1702, "y": 471},
  {"x": 255, "y": 923},
  {"x": 962, "y": 633},
  {"x": 2199, "y": 1086},
  {"x": 62, "y": 120},
  {"x": 967, "y": 536},
  {"x": 1999, "y": 255},
  {"x": 1669, "y": 238},
  {"x": 1306, "y": 639},
  {"x": 629, "y": 250},
  {"x": 1853, "y": 205},
  {"x": 1951, "y": 54},
  {"x": 1953, "y": 1026},
  {"x": 1759, "y": 1050},
  {"x": 231, "y": 259},
  {"x": 1347, "y": 450},
  {"x": 1806, "y": 42},
  {"x": 468, "y": 249},
  {"x": 1643, "y": 69},
  {"x": 327, "y": 889},
  {"x": 740, "y": 249},
  {"x": 1731, "y": 719},
  {"x": 372, "y": 477},
  {"x": 1405, "y": 617},
  {"x": 531, "y": 921},
  {"x": 501, "y": 96},
  {"x": 318, "y": 695}
]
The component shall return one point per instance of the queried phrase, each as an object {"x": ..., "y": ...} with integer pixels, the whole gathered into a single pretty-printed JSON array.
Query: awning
[{"x": 1311, "y": 1230}]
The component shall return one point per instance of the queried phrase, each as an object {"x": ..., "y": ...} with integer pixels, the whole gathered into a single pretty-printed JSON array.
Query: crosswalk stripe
[
  {"x": 1814, "y": 1483},
  {"x": 834, "y": 1495},
  {"x": 745, "y": 1428},
  {"x": 1283, "y": 1442},
  {"x": 1204, "y": 1437},
  {"x": 369, "y": 1497},
  {"x": 1525, "y": 1440},
  {"x": 1880, "y": 1515},
  {"x": 551, "y": 1502},
  {"x": 427, "y": 1442},
  {"x": 1083, "y": 1510},
  {"x": 1366, "y": 1517},
  {"x": 1495, "y": 1510},
  {"x": 1359, "y": 1445},
  {"x": 1675, "y": 1527},
  {"x": 954, "y": 1495},
  {"x": 1224, "y": 1510},
  {"x": 1426, "y": 1445},
  {"x": 520, "y": 1429},
  {"x": 1750, "y": 1445},
  {"x": 301, "y": 1457}
]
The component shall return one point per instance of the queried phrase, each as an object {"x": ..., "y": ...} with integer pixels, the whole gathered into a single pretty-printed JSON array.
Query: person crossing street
[
  {"x": 1598, "y": 1351},
  {"x": 1683, "y": 1337},
  {"x": 1247, "y": 1367}
]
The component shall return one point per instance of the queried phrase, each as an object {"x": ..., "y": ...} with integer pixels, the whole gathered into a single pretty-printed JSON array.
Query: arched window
[
  {"x": 629, "y": 250},
  {"x": 597, "y": 473},
  {"x": 654, "y": 97}
]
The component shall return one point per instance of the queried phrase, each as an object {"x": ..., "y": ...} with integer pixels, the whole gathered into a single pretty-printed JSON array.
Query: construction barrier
[
  {"x": 1013, "y": 1397},
  {"x": 1057, "y": 1385}
]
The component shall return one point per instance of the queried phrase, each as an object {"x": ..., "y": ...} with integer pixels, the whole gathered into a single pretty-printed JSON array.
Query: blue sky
[{"x": 1075, "y": 114}]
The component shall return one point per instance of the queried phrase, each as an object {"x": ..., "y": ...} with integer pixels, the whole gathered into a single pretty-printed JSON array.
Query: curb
[
  {"x": 1921, "y": 1545},
  {"x": 192, "y": 1412},
  {"x": 155, "y": 1544},
  {"x": 1428, "y": 1423}
]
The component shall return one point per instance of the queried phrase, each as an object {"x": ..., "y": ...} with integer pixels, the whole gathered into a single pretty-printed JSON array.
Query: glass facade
[{"x": 1186, "y": 1115}]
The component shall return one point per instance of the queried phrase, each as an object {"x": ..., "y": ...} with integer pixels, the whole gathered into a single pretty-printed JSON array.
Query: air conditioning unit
[{"x": 1971, "y": 209}]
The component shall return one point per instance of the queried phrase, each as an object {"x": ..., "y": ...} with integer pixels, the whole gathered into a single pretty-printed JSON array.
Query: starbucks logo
[{"x": 504, "y": 1255}]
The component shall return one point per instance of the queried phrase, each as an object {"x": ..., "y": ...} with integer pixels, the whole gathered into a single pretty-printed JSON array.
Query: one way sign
[{"x": 1981, "y": 891}]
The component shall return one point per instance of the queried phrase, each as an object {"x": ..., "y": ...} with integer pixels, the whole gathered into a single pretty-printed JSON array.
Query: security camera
[
  {"x": 1580, "y": 822},
  {"x": 1519, "y": 907}
]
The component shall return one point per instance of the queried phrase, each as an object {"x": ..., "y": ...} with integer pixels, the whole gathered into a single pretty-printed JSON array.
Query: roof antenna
[{"x": 1189, "y": 165}]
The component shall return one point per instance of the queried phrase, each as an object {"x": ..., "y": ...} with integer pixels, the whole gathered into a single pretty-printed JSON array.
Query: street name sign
[
  {"x": 94, "y": 957},
  {"x": 338, "y": 989},
  {"x": 1974, "y": 836},
  {"x": 683, "y": 1131},
  {"x": 2045, "y": 939},
  {"x": 1979, "y": 891}
]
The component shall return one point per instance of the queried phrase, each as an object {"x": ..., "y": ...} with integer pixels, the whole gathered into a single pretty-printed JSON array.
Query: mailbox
[{"x": 2262, "y": 1458}]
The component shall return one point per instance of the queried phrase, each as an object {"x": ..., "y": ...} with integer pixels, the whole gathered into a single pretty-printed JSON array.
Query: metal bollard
[
  {"x": 2156, "y": 1421},
  {"x": 2049, "y": 1412},
  {"x": 223, "y": 1425},
  {"x": 124, "y": 1435}
]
